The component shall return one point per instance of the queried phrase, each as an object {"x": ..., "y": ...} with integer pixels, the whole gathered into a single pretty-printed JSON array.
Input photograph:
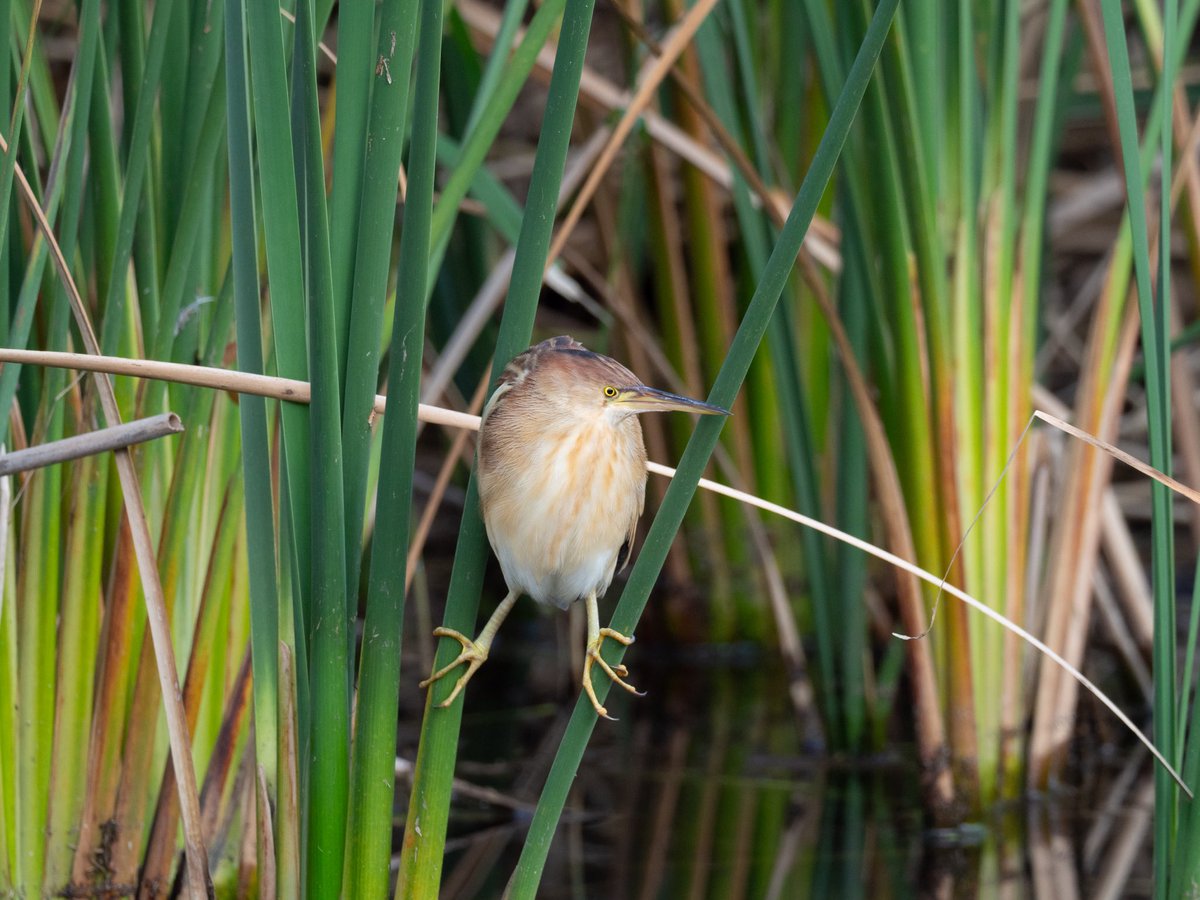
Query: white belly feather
[{"x": 558, "y": 513}]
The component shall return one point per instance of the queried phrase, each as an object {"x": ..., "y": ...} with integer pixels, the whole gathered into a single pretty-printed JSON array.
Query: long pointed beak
[{"x": 647, "y": 399}]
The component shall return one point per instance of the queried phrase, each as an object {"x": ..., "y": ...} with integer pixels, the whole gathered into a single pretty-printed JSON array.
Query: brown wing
[{"x": 626, "y": 551}]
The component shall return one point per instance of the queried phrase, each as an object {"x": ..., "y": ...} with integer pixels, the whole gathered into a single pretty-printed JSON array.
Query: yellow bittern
[{"x": 562, "y": 481}]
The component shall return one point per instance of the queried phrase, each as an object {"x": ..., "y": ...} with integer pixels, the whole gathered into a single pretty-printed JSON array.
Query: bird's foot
[
  {"x": 617, "y": 673},
  {"x": 472, "y": 654}
]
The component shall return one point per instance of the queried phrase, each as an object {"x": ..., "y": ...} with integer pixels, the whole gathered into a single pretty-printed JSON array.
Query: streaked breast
[{"x": 559, "y": 505}]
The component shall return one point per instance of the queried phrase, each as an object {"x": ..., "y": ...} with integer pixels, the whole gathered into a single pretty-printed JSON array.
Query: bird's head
[{"x": 590, "y": 384}]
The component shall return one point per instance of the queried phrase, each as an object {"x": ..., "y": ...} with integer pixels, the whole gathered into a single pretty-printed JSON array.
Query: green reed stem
[
  {"x": 373, "y": 775},
  {"x": 330, "y": 662},
  {"x": 8, "y": 161},
  {"x": 1154, "y": 342},
  {"x": 355, "y": 27},
  {"x": 256, "y": 457},
  {"x": 281, "y": 238},
  {"x": 376, "y": 224}
]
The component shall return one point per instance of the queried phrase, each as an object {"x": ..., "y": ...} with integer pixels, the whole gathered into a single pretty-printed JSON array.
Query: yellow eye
[{"x": 610, "y": 392}]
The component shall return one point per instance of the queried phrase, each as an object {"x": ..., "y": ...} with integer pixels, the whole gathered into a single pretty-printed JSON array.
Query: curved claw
[
  {"x": 472, "y": 654},
  {"x": 615, "y": 673}
]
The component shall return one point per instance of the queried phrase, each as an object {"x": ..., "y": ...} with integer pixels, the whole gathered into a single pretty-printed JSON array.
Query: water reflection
[{"x": 702, "y": 790}]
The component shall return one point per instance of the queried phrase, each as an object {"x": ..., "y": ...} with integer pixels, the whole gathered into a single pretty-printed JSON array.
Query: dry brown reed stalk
[
  {"x": 1067, "y": 622},
  {"x": 599, "y": 92},
  {"x": 102, "y": 440},
  {"x": 199, "y": 880},
  {"x": 1075, "y": 543},
  {"x": 1117, "y": 540},
  {"x": 1119, "y": 454},
  {"x": 160, "y": 849},
  {"x": 287, "y": 389},
  {"x": 648, "y": 83}
]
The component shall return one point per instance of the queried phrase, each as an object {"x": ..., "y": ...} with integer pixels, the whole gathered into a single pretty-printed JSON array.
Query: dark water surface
[{"x": 704, "y": 789}]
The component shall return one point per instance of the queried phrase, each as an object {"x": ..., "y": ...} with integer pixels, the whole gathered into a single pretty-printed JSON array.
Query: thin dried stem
[
  {"x": 648, "y": 86},
  {"x": 199, "y": 881},
  {"x": 100, "y": 441},
  {"x": 822, "y": 238}
]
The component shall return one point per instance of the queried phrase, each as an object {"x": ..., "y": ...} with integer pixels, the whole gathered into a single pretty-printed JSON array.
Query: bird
[{"x": 561, "y": 472}]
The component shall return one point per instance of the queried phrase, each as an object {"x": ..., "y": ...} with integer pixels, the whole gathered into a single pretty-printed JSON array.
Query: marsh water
[{"x": 709, "y": 787}]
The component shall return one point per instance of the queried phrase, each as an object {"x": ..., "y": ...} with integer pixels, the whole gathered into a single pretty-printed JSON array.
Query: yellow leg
[
  {"x": 474, "y": 652},
  {"x": 596, "y": 636}
]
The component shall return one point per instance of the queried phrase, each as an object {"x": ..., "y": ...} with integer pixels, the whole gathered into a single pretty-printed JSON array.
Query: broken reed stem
[{"x": 95, "y": 442}]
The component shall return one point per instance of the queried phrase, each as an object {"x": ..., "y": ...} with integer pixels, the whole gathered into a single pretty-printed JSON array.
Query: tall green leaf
[
  {"x": 370, "y": 839},
  {"x": 329, "y": 665}
]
